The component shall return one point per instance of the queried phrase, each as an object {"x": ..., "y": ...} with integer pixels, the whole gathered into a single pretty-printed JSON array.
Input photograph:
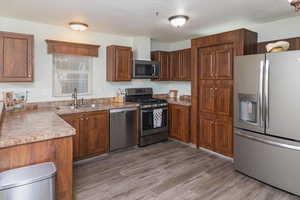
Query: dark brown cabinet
[
  {"x": 216, "y": 62},
  {"x": 119, "y": 63},
  {"x": 186, "y": 64},
  {"x": 175, "y": 65},
  {"x": 92, "y": 133},
  {"x": 164, "y": 58},
  {"x": 207, "y": 132},
  {"x": 212, "y": 87},
  {"x": 216, "y": 97},
  {"x": 223, "y": 136},
  {"x": 16, "y": 57},
  {"x": 179, "y": 122},
  {"x": 216, "y": 134}
]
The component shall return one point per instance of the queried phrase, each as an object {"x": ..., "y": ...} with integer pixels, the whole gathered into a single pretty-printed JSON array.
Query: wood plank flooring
[{"x": 167, "y": 171}]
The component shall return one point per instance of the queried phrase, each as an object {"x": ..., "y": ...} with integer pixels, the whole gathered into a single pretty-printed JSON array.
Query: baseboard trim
[
  {"x": 187, "y": 144},
  {"x": 216, "y": 154}
]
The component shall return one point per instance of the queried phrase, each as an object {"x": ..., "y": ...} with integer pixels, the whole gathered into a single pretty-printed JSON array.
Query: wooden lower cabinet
[
  {"x": 58, "y": 151},
  {"x": 92, "y": 133},
  {"x": 224, "y": 137},
  {"x": 216, "y": 134},
  {"x": 207, "y": 133},
  {"x": 179, "y": 122}
]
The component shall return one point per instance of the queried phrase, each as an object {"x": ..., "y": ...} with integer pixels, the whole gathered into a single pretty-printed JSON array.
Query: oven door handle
[{"x": 147, "y": 111}]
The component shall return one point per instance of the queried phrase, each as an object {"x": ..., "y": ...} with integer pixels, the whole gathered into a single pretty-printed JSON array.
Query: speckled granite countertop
[{"x": 40, "y": 124}]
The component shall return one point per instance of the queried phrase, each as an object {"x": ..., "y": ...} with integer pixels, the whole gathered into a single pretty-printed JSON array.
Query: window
[{"x": 72, "y": 72}]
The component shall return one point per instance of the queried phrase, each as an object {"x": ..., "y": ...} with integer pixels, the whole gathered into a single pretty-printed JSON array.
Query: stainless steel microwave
[{"x": 143, "y": 69}]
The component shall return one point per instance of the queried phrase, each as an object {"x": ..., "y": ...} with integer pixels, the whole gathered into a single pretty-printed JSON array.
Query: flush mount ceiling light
[
  {"x": 77, "y": 26},
  {"x": 178, "y": 20},
  {"x": 295, "y": 3}
]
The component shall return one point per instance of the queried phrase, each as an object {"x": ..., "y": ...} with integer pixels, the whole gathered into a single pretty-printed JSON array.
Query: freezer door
[
  {"x": 268, "y": 159},
  {"x": 248, "y": 92},
  {"x": 283, "y": 95}
]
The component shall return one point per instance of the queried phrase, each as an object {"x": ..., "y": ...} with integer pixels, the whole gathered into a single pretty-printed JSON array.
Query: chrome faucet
[{"x": 75, "y": 99}]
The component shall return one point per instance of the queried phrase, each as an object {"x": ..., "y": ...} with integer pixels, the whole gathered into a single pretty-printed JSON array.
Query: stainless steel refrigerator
[{"x": 267, "y": 118}]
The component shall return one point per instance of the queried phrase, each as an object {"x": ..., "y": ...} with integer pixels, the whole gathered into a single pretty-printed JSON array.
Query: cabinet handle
[
  {"x": 86, "y": 118},
  {"x": 81, "y": 119},
  {"x": 29, "y": 75},
  {"x": 216, "y": 88}
]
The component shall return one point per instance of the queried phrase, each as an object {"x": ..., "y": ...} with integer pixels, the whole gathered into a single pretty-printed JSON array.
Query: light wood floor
[{"x": 167, "y": 171}]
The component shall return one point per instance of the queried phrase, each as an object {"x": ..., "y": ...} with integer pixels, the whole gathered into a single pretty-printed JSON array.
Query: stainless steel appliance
[
  {"x": 266, "y": 118},
  {"x": 149, "y": 132},
  {"x": 34, "y": 182},
  {"x": 143, "y": 69},
  {"x": 123, "y": 128}
]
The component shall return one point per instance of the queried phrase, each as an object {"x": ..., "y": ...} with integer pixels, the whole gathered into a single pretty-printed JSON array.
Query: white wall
[
  {"x": 280, "y": 29},
  {"x": 41, "y": 88}
]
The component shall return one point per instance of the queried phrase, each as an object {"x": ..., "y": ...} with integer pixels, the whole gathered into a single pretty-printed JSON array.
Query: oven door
[
  {"x": 147, "y": 121},
  {"x": 145, "y": 69}
]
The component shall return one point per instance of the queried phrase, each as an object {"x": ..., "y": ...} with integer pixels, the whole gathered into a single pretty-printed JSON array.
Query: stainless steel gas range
[{"x": 153, "y": 125}]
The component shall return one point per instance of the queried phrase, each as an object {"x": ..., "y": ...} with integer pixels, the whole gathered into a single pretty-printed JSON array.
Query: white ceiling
[{"x": 137, "y": 17}]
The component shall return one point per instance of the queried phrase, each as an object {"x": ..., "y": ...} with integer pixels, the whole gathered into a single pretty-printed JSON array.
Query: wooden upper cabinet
[
  {"x": 119, "y": 63},
  {"x": 179, "y": 116},
  {"x": 223, "y": 62},
  {"x": 175, "y": 66},
  {"x": 164, "y": 59},
  {"x": 223, "y": 137},
  {"x": 16, "y": 57},
  {"x": 206, "y": 63},
  {"x": 186, "y": 64}
]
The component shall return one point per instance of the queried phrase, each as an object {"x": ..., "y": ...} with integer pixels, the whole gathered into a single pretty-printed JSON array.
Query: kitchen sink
[{"x": 80, "y": 106}]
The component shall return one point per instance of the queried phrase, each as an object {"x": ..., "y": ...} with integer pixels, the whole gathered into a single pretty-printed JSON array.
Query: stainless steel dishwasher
[{"x": 123, "y": 128}]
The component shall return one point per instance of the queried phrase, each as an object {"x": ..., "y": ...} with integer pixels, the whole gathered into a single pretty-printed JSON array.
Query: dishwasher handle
[{"x": 123, "y": 110}]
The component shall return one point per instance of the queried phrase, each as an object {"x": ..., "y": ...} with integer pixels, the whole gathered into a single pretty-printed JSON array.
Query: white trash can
[{"x": 34, "y": 182}]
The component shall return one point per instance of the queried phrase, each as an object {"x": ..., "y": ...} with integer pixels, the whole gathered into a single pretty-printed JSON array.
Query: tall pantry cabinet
[{"x": 212, "y": 87}]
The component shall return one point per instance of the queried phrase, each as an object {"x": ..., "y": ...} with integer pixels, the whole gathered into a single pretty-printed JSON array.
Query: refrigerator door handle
[
  {"x": 269, "y": 142},
  {"x": 266, "y": 100},
  {"x": 260, "y": 95}
]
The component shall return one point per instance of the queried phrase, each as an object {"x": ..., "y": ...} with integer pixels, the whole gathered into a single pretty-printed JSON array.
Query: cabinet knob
[
  {"x": 86, "y": 118},
  {"x": 81, "y": 119},
  {"x": 216, "y": 88}
]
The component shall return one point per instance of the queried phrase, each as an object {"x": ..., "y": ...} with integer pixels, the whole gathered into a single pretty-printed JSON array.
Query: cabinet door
[
  {"x": 74, "y": 121},
  {"x": 223, "y": 98},
  {"x": 164, "y": 59},
  {"x": 207, "y": 129},
  {"x": 123, "y": 63},
  {"x": 180, "y": 122},
  {"x": 224, "y": 62},
  {"x": 94, "y": 140},
  {"x": 206, "y": 63},
  {"x": 16, "y": 57},
  {"x": 224, "y": 137},
  {"x": 207, "y": 96},
  {"x": 185, "y": 64},
  {"x": 175, "y": 66}
]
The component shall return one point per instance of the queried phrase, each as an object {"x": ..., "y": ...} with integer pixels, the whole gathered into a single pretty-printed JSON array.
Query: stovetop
[{"x": 149, "y": 102}]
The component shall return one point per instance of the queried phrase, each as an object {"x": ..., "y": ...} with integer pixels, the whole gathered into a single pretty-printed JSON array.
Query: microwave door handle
[{"x": 154, "y": 70}]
